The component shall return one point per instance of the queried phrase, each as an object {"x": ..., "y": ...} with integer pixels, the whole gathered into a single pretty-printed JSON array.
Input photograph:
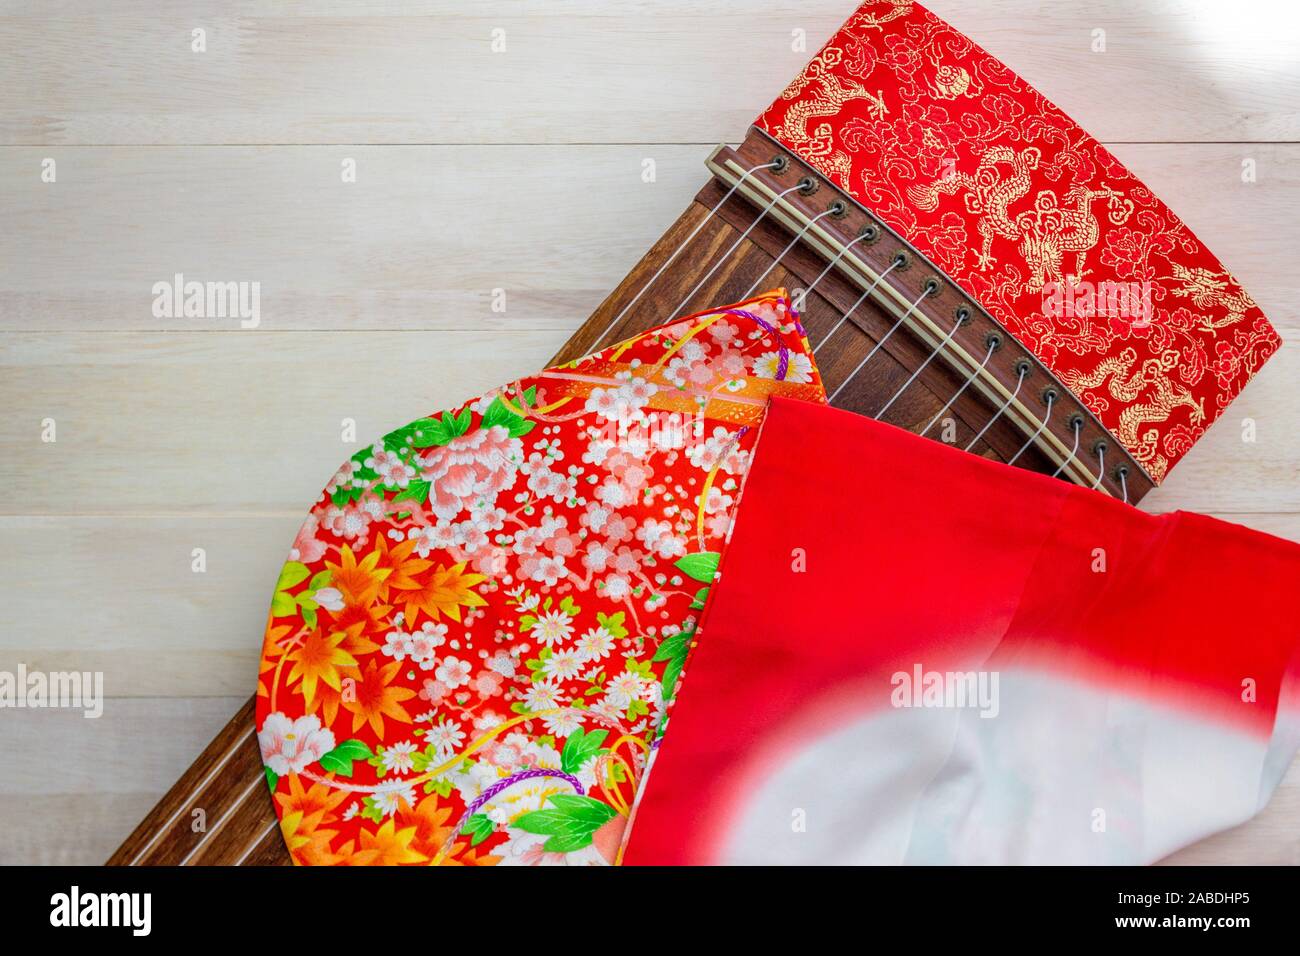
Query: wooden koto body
[{"x": 227, "y": 783}]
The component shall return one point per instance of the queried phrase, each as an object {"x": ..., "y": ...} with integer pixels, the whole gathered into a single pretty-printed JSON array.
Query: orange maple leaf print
[
  {"x": 271, "y": 649},
  {"x": 401, "y": 566},
  {"x": 359, "y": 621},
  {"x": 374, "y": 698},
  {"x": 433, "y": 827},
  {"x": 358, "y": 581},
  {"x": 350, "y": 855},
  {"x": 320, "y": 659},
  {"x": 316, "y": 850},
  {"x": 391, "y": 846},
  {"x": 290, "y": 824},
  {"x": 316, "y": 803},
  {"x": 470, "y": 857},
  {"x": 443, "y": 591},
  {"x": 432, "y": 824}
]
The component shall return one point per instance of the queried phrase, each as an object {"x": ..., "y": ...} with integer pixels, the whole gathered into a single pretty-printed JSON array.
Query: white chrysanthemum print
[
  {"x": 563, "y": 665},
  {"x": 553, "y": 627},
  {"x": 399, "y": 758},
  {"x": 798, "y": 369},
  {"x": 445, "y": 737},
  {"x": 595, "y": 644}
]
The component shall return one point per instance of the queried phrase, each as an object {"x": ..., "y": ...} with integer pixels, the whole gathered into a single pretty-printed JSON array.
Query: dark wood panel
[{"x": 216, "y": 812}]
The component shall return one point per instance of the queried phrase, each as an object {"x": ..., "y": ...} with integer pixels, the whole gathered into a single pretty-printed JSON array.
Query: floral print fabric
[{"x": 471, "y": 646}]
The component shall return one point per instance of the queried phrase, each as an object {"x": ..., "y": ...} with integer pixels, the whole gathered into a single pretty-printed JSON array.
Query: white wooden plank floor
[{"x": 476, "y": 171}]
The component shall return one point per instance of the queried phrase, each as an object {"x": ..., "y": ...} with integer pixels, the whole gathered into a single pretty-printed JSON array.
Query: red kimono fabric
[
  {"x": 914, "y": 655},
  {"x": 472, "y": 642}
]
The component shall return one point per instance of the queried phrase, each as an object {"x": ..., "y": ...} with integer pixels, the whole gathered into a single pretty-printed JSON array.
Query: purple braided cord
[
  {"x": 500, "y": 785},
  {"x": 513, "y": 779},
  {"x": 798, "y": 321},
  {"x": 783, "y": 353}
]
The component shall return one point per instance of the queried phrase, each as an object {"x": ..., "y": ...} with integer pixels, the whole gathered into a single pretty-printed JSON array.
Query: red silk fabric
[
  {"x": 1033, "y": 218},
  {"x": 861, "y": 551}
]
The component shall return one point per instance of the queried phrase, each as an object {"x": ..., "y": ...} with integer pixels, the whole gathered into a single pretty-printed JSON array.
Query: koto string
[
  {"x": 1078, "y": 430},
  {"x": 957, "y": 394},
  {"x": 885, "y": 338},
  {"x": 862, "y": 298},
  {"x": 1051, "y": 400},
  {"x": 220, "y": 765},
  {"x": 258, "y": 781},
  {"x": 793, "y": 242},
  {"x": 734, "y": 246},
  {"x": 998, "y": 414},
  {"x": 676, "y": 252},
  {"x": 833, "y": 263},
  {"x": 1101, "y": 466},
  {"x": 920, "y": 368}
]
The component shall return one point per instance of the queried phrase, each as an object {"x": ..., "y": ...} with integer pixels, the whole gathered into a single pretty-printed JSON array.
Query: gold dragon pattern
[
  {"x": 1159, "y": 395},
  {"x": 833, "y": 93},
  {"x": 866, "y": 17},
  {"x": 945, "y": 144},
  {"x": 1210, "y": 291},
  {"x": 1046, "y": 232}
]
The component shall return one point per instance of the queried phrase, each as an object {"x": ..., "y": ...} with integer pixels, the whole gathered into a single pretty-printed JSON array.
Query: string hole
[
  {"x": 807, "y": 186},
  {"x": 901, "y": 259},
  {"x": 1099, "y": 447},
  {"x": 1023, "y": 368},
  {"x": 931, "y": 287},
  {"x": 1050, "y": 396},
  {"x": 1121, "y": 473},
  {"x": 962, "y": 314},
  {"x": 838, "y": 209},
  {"x": 1076, "y": 423},
  {"x": 993, "y": 341},
  {"x": 779, "y": 165},
  {"x": 870, "y": 233}
]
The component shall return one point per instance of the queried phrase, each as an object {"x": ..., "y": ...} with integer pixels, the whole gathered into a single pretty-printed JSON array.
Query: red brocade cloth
[
  {"x": 1129, "y": 679},
  {"x": 1033, "y": 218}
]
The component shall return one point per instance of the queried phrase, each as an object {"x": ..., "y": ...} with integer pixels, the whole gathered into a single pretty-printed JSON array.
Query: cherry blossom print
[{"x": 478, "y": 634}]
